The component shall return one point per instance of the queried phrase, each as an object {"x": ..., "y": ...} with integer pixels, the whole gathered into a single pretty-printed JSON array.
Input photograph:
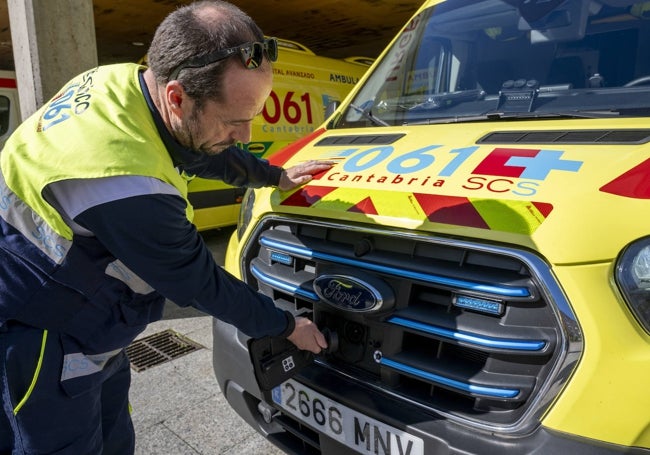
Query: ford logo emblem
[{"x": 347, "y": 292}]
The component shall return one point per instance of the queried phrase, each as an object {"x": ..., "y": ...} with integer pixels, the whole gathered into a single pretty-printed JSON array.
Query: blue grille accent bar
[
  {"x": 491, "y": 392},
  {"x": 506, "y": 291},
  {"x": 497, "y": 343},
  {"x": 283, "y": 285}
]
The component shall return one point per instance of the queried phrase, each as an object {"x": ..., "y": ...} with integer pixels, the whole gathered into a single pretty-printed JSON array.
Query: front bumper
[{"x": 440, "y": 435}]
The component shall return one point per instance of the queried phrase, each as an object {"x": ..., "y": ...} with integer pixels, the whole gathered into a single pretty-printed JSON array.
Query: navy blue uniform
[{"x": 69, "y": 305}]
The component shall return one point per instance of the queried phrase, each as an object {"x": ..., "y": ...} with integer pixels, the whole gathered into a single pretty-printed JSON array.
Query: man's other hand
[{"x": 302, "y": 173}]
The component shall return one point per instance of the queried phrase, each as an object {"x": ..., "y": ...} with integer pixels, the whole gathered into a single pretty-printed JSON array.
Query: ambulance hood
[{"x": 542, "y": 185}]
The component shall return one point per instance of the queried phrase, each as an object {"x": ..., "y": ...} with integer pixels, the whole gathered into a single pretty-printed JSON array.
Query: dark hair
[{"x": 195, "y": 30}]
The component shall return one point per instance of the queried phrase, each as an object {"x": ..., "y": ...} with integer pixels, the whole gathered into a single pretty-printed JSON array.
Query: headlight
[
  {"x": 245, "y": 212},
  {"x": 633, "y": 278}
]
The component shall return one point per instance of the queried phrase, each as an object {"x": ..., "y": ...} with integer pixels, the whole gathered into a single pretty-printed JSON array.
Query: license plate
[{"x": 355, "y": 430}]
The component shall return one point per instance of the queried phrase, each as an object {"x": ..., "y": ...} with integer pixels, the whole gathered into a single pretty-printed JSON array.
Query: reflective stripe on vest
[{"x": 16, "y": 213}]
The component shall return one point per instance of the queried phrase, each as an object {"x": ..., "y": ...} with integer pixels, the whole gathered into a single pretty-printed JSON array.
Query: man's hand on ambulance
[
  {"x": 302, "y": 173},
  {"x": 307, "y": 337}
]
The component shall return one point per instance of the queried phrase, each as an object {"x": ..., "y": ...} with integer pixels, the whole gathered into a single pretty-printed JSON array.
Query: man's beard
[{"x": 189, "y": 129}]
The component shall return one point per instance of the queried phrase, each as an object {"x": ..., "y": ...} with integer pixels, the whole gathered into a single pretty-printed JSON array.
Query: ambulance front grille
[{"x": 476, "y": 332}]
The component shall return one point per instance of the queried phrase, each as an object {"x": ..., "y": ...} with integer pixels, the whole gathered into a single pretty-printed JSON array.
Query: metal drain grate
[{"x": 159, "y": 348}]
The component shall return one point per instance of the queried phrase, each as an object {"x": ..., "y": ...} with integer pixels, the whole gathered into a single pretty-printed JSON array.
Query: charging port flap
[{"x": 275, "y": 360}]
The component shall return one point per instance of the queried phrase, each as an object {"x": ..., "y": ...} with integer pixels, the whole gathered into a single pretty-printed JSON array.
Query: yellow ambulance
[{"x": 481, "y": 249}]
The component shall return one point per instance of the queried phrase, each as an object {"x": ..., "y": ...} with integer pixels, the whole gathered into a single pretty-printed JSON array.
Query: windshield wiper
[
  {"x": 456, "y": 119},
  {"x": 445, "y": 100},
  {"x": 367, "y": 113},
  {"x": 554, "y": 115}
]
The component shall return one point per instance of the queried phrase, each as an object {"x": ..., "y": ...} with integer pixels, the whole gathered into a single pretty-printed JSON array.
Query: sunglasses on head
[{"x": 251, "y": 55}]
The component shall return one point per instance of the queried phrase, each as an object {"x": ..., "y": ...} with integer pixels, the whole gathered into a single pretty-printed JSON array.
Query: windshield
[{"x": 474, "y": 60}]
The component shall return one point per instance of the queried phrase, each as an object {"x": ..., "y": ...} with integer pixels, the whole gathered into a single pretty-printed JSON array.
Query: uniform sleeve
[
  {"x": 151, "y": 236},
  {"x": 236, "y": 167}
]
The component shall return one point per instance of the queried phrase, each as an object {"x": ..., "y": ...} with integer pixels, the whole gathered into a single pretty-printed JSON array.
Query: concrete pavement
[{"x": 178, "y": 408}]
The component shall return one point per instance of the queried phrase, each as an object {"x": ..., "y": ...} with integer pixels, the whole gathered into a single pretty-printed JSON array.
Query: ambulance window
[{"x": 4, "y": 114}]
